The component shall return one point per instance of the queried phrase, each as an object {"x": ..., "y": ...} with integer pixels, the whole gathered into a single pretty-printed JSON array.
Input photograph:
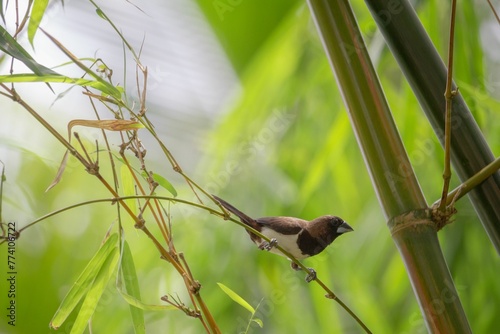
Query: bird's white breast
[{"x": 287, "y": 242}]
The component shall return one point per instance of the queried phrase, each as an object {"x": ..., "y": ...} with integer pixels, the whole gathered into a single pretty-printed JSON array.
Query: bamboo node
[{"x": 413, "y": 219}]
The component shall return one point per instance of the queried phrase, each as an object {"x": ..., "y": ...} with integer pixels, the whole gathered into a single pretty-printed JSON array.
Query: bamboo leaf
[
  {"x": 132, "y": 287},
  {"x": 84, "y": 282},
  {"x": 234, "y": 296},
  {"x": 128, "y": 186},
  {"x": 10, "y": 46},
  {"x": 42, "y": 75},
  {"x": 162, "y": 182},
  {"x": 95, "y": 292},
  {"x": 36, "y": 16},
  {"x": 1, "y": 11},
  {"x": 133, "y": 294},
  {"x": 100, "y": 13},
  {"x": 60, "y": 171},
  {"x": 133, "y": 301},
  {"x": 107, "y": 124},
  {"x": 258, "y": 322}
]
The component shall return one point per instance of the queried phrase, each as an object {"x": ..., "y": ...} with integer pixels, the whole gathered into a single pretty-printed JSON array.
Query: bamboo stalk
[
  {"x": 409, "y": 218},
  {"x": 426, "y": 74}
]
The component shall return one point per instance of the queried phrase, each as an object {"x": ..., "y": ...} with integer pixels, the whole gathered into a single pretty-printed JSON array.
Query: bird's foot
[
  {"x": 311, "y": 276},
  {"x": 268, "y": 245}
]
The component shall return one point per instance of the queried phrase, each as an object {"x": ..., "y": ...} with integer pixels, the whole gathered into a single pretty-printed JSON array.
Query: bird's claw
[
  {"x": 311, "y": 276},
  {"x": 268, "y": 245}
]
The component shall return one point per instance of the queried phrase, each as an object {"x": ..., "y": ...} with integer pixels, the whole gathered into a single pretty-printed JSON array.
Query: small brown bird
[{"x": 300, "y": 238}]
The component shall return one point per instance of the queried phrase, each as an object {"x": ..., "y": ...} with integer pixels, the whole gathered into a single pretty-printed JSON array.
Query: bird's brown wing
[{"x": 283, "y": 225}]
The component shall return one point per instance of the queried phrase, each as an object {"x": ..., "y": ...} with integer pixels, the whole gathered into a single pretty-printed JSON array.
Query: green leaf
[
  {"x": 57, "y": 78},
  {"x": 128, "y": 187},
  {"x": 234, "y": 296},
  {"x": 132, "y": 287},
  {"x": 258, "y": 322},
  {"x": 84, "y": 282},
  {"x": 95, "y": 292},
  {"x": 36, "y": 16},
  {"x": 162, "y": 182},
  {"x": 106, "y": 124},
  {"x": 101, "y": 13},
  {"x": 10, "y": 46},
  {"x": 133, "y": 294},
  {"x": 1, "y": 11}
]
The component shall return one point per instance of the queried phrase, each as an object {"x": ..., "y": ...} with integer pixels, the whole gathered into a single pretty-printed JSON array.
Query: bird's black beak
[{"x": 344, "y": 228}]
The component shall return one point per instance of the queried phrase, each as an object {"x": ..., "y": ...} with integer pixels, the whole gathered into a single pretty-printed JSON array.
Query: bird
[{"x": 299, "y": 237}]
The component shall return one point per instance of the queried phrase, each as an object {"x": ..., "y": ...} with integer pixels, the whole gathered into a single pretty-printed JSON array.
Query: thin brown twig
[
  {"x": 449, "y": 95},
  {"x": 20, "y": 26},
  {"x": 494, "y": 11},
  {"x": 111, "y": 160}
]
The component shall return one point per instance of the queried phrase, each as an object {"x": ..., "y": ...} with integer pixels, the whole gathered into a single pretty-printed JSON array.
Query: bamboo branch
[
  {"x": 474, "y": 181},
  {"x": 449, "y": 95}
]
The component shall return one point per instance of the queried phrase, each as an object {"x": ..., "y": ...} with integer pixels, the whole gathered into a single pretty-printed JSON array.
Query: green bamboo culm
[
  {"x": 426, "y": 74},
  {"x": 399, "y": 193}
]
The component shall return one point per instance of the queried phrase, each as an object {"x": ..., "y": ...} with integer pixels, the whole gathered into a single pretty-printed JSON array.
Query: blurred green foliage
[{"x": 285, "y": 148}]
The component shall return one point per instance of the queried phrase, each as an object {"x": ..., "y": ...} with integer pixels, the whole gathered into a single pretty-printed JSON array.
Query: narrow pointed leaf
[
  {"x": 100, "y": 13},
  {"x": 163, "y": 182},
  {"x": 128, "y": 187},
  {"x": 107, "y": 124},
  {"x": 133, "y": 294},
  {"x": 10, "y": 46},
  {"x": 36, "y": 16},
  {"x": 83, "y": 283},
  {"x": 132, "y": 288},
  {"x": 101, "y": 85},
  {"x": 234, "y": 296},
  {"x": 258, "y": 322},
  {"x": 60, "y": 171},
  {"x": 1, "y": 11},
  {"x": 94, "y": 294}
]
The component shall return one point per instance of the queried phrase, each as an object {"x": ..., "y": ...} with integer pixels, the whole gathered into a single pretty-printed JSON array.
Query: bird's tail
[{"x": 244, "y": 218}]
